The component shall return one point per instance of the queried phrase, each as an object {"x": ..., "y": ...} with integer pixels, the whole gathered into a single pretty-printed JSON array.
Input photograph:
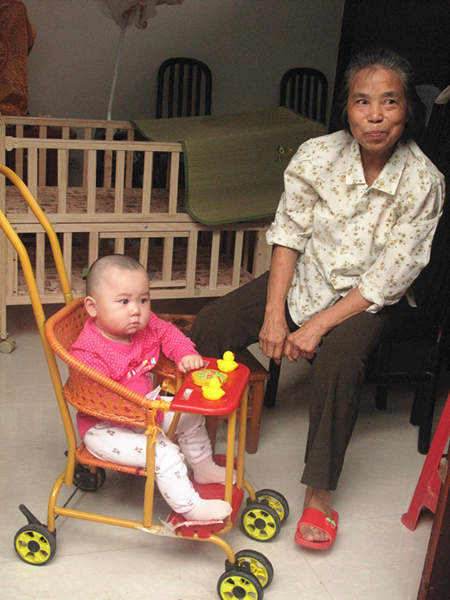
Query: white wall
[{"x": 248, "y": 45}]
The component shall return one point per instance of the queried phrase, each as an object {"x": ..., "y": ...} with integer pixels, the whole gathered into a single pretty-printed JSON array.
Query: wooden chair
[
  {"x": 305, "y": 90},
  {"x": 184, "y": 88},
  {"x": 258, "y": 377}
]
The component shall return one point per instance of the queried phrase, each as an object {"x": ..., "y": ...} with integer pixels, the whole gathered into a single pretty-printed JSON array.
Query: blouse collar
[{"x": 388, "y": 180}]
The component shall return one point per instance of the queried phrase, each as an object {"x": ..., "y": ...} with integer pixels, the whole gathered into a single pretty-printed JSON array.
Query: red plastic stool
[{"x": 427, "y": 489}]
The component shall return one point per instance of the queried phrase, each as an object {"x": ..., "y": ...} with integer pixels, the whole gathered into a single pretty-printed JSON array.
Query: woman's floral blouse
[{"x": 348, "y": 234}]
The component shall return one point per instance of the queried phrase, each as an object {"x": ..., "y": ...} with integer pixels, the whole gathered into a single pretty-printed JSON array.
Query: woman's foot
[
  {"x": 321, "y": 500},
  {"x": 209, "y": 510}
]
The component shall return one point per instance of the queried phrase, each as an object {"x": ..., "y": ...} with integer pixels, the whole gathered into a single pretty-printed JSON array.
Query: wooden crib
[{"x": 103, "y": 191}]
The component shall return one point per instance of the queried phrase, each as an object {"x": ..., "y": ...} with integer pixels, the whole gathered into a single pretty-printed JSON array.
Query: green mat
[{"x": 234, "y": 163}]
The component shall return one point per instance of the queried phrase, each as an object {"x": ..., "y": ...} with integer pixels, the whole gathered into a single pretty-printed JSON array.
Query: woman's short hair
[{"x": 390, "y": 60}]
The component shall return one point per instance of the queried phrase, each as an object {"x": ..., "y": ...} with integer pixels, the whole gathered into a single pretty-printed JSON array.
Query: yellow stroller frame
[{"x": 248, "y": 572}]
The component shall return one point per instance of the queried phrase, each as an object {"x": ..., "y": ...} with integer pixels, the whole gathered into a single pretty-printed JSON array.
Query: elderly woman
[{"x": 352, "y": 231}]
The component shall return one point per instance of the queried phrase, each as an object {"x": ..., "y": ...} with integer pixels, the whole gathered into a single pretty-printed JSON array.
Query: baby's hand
[{"x": 191, "y": 362}]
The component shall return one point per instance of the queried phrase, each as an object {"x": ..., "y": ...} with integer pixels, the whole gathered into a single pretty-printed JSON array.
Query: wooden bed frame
[{"x": 101, "y": 189}]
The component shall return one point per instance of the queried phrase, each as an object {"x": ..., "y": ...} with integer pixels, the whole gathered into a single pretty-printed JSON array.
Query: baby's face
[{"x": 122, "y": 303}]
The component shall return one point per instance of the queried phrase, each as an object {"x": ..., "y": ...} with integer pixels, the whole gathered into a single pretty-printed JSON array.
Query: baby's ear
[{"x": 90, "y": 306}]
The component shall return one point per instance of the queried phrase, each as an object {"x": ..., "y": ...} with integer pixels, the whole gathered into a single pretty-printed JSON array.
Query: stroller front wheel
[
  {"x": 260, "y": 522},
  {"x": 35, "y": 544},
  {"x": 237, "y": 583}
]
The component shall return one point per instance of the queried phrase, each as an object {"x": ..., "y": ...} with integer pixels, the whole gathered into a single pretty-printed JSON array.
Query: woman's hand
[
  {"x": 305, "y": 341},
  {"x": 274, "y": 330},
  {"x": 190, "y": 362},
  {"x": 272, "y": 337}
]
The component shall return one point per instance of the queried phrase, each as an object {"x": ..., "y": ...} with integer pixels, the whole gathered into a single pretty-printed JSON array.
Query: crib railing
[{"x": 102, "y": 192}]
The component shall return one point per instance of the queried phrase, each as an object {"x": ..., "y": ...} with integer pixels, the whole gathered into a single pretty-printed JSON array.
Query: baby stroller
[{"x": 247, "y": 572}]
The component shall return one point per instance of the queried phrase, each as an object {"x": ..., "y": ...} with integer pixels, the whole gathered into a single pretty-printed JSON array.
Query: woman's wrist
[{"x": 275, "y": 313}]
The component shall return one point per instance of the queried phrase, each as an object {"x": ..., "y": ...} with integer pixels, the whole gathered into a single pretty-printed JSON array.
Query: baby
[{"x": 122, "y": 339}]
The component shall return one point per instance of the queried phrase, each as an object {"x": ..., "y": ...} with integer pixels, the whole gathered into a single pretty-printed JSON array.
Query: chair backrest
[
  {"x": 184, "y": 88},
  {"x": 432, "y": 287},
  {"x": 86, "y": 390},
  {"x": 67, "y": 329},
  {"x": 435, "y": 141},
  {"x": 305, "y": 90}
]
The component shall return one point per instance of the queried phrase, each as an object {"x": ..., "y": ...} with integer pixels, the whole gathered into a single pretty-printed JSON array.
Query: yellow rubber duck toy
[
  {"x": 212, "y": 390},
  {"x": 227, "y": 362}
]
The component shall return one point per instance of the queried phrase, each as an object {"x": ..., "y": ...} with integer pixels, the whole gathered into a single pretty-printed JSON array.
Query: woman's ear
[{"x": 90, "y": 306}]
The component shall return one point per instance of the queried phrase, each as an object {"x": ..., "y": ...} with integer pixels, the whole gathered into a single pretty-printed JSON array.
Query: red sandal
[{"x": 316, "y": 518}]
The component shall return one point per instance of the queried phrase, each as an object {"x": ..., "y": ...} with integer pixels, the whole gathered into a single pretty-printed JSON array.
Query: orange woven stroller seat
[{"x": 93, "y": 393}]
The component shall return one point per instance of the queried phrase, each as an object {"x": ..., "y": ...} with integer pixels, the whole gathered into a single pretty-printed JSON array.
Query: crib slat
[
  {"x": 143, "y": 252},
  {"x": 12, "y": 281},
  {"x": 91, "y": 180},
  {"x": 191, "y": 260},
  {"x": 261, "y": 255},
  {"x": 32, "y": 171},
  {"x": 13, "y": 272},
  {"x": 40, "y": 262},
  {"x": 63, "y": 177},
  {"x": 238, "y": 242},
  {"x": 19, "y": 154},
  {"x": 42, "y": 157},
  {"x": 173, "y": 182},
  {"x": 67, "y": 254},
  {"x": 87, "y": 132},
  {"x": 119, "y": 245},
  {"x": 93, "y": 247},
  {"x": 107, "y": 165},
  {"x": 167, "y": 257},
  {"x": 147, "y": 183},
  {"x": 214, "y": 261},
  {"x": 129, "y": 162},
  {"x": 118, "y": 192}
]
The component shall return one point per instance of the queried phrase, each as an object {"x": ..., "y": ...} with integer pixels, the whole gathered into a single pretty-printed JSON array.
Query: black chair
[
  {"x": 184, "y": 88},
  {"x": 416, "y": 353},
  {"x": 305, "y": 91}
]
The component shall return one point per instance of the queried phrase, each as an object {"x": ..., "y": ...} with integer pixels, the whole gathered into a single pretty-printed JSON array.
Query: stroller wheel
[
  {"x": 257, "y": 564},
  {"x": 7, "y": 346},
  {"x": 237, "y": 583},
  {"x": 35, "y": 544},
  {"x": 260, "y": 522},
  {"x": 275, "y": 500},
  {"x": 86, "y": 481}
]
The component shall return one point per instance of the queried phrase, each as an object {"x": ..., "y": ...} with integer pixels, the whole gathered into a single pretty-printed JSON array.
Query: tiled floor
[{"x": 375, "y": 557}]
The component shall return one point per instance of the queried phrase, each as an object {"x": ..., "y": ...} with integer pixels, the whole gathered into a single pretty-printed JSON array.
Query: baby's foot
[
  {"x": 208, "y": 510},
  {"x": 320, "y": 499},
  {"x": 207, "y": 471}
]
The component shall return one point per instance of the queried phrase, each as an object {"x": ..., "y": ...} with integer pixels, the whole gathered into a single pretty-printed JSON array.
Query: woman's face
[{"x": 376, "y": 111}]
